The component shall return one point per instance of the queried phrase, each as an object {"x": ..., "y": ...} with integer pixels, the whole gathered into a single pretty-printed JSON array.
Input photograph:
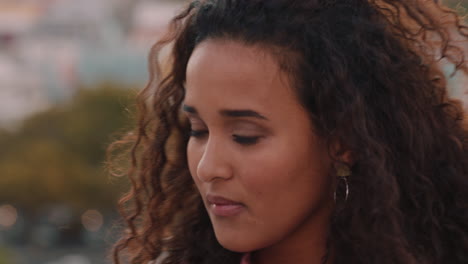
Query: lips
[
  {"x": 219, "y": 200},
  {"x": 221, "y": 206}
]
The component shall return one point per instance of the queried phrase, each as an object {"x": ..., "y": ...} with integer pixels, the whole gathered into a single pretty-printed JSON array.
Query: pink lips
[{"x": 221, "y": 206}]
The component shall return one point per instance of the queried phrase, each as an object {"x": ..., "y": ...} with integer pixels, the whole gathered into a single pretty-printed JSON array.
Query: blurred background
[{"x": 69, "y": 71}]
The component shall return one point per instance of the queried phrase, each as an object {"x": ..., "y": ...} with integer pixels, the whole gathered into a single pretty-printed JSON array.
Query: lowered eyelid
[
  {"x": 195, "y": 122},
  {"x": 247, "y": 128}
]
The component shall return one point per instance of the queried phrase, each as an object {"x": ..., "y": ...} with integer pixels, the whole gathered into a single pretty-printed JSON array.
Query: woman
[{"x": 300, "y": 132}]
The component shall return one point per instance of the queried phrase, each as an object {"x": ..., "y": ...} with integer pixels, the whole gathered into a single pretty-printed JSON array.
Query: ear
[
  {"x": 342, "y": 153},
  {"x": 348, "y": 158}
]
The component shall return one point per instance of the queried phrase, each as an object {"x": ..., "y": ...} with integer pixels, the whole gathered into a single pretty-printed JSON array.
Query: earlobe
[
  {"x": 341, "y": 153},
  {"x": 348, "y": 157}
]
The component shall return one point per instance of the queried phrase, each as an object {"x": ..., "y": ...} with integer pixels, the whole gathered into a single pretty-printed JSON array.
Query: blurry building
[
  {"x": 51, "y": 48},
  {"x": 150, "y": 20}
]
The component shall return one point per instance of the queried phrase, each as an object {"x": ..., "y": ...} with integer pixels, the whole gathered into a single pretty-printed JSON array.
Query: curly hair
[{"x": 364, "y": 71}]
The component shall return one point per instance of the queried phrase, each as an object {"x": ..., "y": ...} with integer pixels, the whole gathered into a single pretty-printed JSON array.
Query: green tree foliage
[
  {"x": 5, "y": 256},
  {"x": 57, "y": 156}
]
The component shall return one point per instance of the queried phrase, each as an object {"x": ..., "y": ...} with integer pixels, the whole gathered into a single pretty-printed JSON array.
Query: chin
[
  {"x": 237, "y": 242},
  {"x": 236, "y": 246}
]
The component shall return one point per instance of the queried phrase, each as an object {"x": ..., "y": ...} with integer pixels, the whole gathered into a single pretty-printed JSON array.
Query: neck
[{"x": 301, "y": 255}]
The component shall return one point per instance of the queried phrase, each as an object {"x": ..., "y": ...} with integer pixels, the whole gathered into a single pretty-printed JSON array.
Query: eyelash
[
  {"x": 242, "y": 140},
  {"x": 198, "y": 133},
  {"x": 245, "y": 140}
]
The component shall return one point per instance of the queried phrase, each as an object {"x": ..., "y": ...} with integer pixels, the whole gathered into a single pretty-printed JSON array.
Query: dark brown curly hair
[{"x": 366, "y": 72}]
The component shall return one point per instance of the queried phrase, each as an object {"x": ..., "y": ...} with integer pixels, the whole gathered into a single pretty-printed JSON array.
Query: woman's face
[{"x": 253, "y": 154}]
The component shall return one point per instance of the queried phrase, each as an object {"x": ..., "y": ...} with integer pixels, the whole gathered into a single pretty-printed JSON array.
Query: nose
[{"x": 214, "y": 162}]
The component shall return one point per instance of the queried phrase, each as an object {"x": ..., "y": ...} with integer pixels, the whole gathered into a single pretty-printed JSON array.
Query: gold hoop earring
[{"x": 342, "y": 172}]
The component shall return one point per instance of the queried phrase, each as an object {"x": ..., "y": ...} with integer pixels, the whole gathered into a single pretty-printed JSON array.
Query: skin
[{"x": 271, "y": 162}]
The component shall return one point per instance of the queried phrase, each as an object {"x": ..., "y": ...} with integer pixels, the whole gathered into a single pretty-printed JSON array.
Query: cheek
[
  {"x": 283, "y": 192},
  {"x": 289, "y": 177},
  {"x": 269, "y": 178}
]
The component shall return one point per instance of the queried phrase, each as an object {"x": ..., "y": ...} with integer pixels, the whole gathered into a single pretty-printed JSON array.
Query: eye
[
  {"x": 198, "y": 133},
  {"x": 243, "y": 140}
]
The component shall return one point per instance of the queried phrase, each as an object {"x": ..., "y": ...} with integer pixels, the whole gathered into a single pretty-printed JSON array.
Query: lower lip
[{"x": 226, "y": 209}]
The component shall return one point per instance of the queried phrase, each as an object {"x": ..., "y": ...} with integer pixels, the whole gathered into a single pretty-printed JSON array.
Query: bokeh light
[
  {"x": 92, "y": 220},
  {"x": 8, "y": 215}
]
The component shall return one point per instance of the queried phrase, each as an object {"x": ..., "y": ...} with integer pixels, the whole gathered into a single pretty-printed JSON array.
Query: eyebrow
[
  {"x": 229, "y": 112},
  {"x": 189, "y": 109}
]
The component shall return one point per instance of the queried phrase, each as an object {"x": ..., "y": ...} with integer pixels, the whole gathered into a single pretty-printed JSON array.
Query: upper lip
[{"x": 219, "y": 200}]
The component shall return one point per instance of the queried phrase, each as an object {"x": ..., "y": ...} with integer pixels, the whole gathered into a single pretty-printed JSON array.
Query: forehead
[{"x": 243, "y": 73}]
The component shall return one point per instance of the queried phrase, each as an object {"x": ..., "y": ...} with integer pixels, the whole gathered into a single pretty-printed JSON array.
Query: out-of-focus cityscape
[
  {"x": 69, "y": 71},
  {"x": 50, "y": 48}
]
